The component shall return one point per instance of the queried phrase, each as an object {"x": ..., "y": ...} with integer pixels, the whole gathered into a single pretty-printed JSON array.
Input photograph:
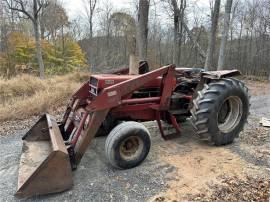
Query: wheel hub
[{"x": 131, "y": 147}]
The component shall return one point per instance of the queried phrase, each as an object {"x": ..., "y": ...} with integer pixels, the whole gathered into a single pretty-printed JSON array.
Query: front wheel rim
[{"x": 131, "y": 148}]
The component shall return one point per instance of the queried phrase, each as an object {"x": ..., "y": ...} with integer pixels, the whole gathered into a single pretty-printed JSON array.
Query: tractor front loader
[{"x": 114, "y": 105}]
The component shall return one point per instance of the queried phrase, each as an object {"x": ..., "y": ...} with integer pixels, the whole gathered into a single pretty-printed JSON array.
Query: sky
[{"x": 75, "y": 7}]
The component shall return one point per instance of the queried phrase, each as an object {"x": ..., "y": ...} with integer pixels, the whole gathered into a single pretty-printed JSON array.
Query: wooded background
[{"x": 37, "y": 36}]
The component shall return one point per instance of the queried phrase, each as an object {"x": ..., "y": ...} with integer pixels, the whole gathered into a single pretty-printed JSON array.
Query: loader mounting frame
[{"x": 116, "y": 100}]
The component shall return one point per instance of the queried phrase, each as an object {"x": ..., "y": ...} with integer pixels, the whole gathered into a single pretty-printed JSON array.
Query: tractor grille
[{"x": 93, "y": 81}]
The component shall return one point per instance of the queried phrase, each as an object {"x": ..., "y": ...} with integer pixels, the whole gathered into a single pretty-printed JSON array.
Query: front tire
[
  {"x": 220, "y": 110},
  {"x": 127, "y": 145}
]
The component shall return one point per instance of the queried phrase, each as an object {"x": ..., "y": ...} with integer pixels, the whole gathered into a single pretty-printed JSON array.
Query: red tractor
[{"x": 115, "y": 105}]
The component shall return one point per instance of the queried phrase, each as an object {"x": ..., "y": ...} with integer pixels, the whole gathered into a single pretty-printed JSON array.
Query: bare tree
[
  {"x": 194, "y": 41},
  {"x": 178, "y": 14},
  {"x": 124, "y": 25},
  {"x": 142, "y": 28},
  {"x": 212, "y": 36},
  {"x": 90, "y": 7},
  {"x": 75, "y": 29},
  {"x": 33, "y": 14},
  {"x": 52, "y": 19},
  {"x": 225, "y": 31}
]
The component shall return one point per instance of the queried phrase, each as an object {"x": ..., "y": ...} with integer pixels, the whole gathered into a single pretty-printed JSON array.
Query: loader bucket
[{"x": 44, "y": 165}]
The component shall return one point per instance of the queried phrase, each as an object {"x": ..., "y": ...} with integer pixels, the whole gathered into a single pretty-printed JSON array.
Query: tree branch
[
  {"x": 21, "y": 9},
  {"x": 41, "y": 5},
  {"x": 194, "y": 41}
]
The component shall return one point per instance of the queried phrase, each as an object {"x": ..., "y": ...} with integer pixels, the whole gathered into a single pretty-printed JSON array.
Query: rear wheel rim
[
  {"x": 131, "y": 148},
  {"x": 230, "y": 114}
]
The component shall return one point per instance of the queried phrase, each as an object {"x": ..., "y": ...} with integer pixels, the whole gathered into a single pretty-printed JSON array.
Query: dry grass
[{"x": 25, "y": 96}]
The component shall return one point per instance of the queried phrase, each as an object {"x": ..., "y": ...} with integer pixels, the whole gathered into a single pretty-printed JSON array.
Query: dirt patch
[
  {"x": 196, "y": 171},
  {"x": 199, "y": 170}
]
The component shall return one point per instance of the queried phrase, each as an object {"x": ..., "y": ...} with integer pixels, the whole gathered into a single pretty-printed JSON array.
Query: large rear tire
[
  {"x": 127, "y": 145},
  {"x": 220, "y": 110}
]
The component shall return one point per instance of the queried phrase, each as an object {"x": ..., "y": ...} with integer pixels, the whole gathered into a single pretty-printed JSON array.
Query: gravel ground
[
  {"x": 260, "y": 106},
  {"x": 96, "y": 180}
]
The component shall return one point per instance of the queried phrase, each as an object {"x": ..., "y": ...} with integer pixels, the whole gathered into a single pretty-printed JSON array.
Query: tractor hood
[{"x": 101, "y": 81}]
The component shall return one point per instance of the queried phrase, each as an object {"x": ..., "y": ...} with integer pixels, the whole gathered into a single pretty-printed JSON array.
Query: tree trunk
[
  {"x": 39, "y": 50},
  {"x": 42, "y": 31},
  {"x": 91, "y": 27},
  {"x": 34, "y": 17},
  {"x": 212, "y": 37},
  {"x": 142, "y": 29},
  {"x": 133, "y": 65},
  {"x": 226, "y": 26},
  {"x": 176, "y": 16},
  {"x": 239, "y": 48},
  {"x": 63, "y": 41}
]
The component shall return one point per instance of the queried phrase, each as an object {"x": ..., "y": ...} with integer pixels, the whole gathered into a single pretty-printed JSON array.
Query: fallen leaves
[{"x": 235, "y": 189}]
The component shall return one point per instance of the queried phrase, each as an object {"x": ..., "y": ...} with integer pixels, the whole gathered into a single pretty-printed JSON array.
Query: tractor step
[{"x": 168, "y": 128}]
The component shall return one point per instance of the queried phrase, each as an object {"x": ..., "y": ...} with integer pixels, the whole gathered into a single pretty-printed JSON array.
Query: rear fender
[{"x": 220, "y": 74}]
